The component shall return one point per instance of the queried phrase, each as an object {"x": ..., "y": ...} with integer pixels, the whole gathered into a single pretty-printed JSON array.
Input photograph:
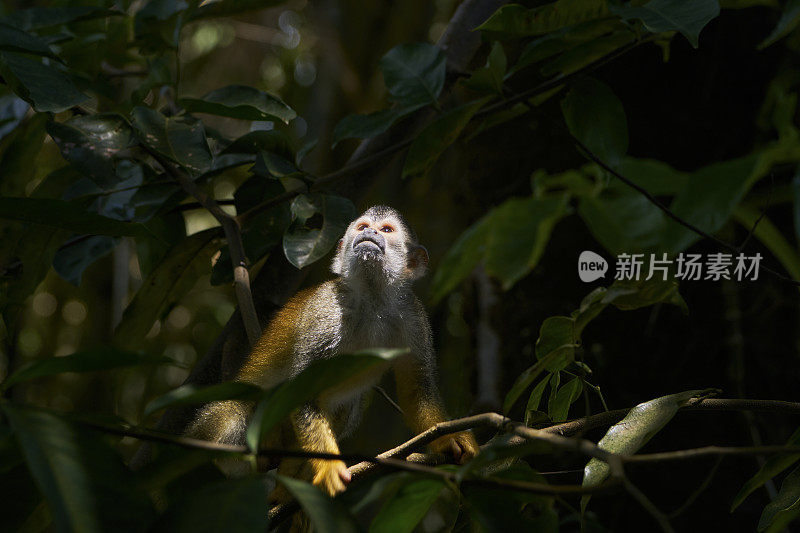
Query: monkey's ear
[
  {"x": 336, "y": 265},
  {"x": 418, "y": 261}
]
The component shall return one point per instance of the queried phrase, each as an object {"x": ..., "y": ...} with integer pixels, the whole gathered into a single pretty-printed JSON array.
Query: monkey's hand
[
  {"x": 462, "y": 446},
  {"x": 331, "y": 476}
]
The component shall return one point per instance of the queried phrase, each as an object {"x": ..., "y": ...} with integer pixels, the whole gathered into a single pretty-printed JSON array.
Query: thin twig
[
  {"x": 698, "y": 491},
  {"x": 233, "y": 235},
  {"x": 648, "y": 506},
  {"x": 389, "y": 399}
]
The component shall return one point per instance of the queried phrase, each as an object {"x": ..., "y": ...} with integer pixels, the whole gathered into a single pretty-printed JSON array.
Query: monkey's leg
[{"x": 314, "y": 434}]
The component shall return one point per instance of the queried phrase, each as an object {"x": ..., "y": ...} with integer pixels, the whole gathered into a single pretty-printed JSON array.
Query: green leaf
[
  {"x": 562, "y": 355},
  {"x": 240, "y": 101},
  {"x": 771, "y": 468},
  {"x": 193, "y": 394},
  {"x": 365, "y": 126},
  {"x": 655, "y": 176},
  {"x": 172, "y": 278},
  {"x": 65, "y": 215},
  {"x": 83, "y": 480},
  {"x": 158, "y": 24},
  {"x": 582, "y": 55},
  {"x": 258, "y": 141},
  {"x": 16, "y": 40},
  {"x": 564, "y": 398},
  {"x": 564, "y": 39},
  {"x": 86, "y": 361},
  {"x": 461, "y": 258},
  {"x": 771, "y": 237},
  {"x": 596, "y": 117},
  {"x": 686, "y": 16},
  {"x": 414, "y": 74},
  {"x": 238, "y": 507},
  {"x": 181, "y": 139},
  {"x": 534, "y": 400},
  {"x": 308, "y": 239},
  {"x": 708, "y": 199},
  {"x": 44, "y": 17},
  {"x": 44, "y": 87},
  {"x": 308, "y": 384},
  {"x": 492, "y": 239},
  {"x": 327, "y": 515},
  {"x": 519, "y": 233},
  {"x": 788, "y": 22},
  {"x": 624, "y": 223},
  {"x": 91, "y": 143},
  {"x": 407, "y": 506},
  {"x": 489, "y": 79},
  {"x": 436, "y": 136},
  {"x": 632, "y": 432},
  {"x": 785, "y": 508},
  {"x": 514, "y": 21}
]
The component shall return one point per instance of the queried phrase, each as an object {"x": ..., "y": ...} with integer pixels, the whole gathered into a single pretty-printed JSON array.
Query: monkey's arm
[
  {"x": 415, "y": 376},
  {"x": 315, "y": 434}
]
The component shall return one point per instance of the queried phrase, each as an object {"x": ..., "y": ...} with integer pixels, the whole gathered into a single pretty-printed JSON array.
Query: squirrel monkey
[{"x": 369, "y": 304}]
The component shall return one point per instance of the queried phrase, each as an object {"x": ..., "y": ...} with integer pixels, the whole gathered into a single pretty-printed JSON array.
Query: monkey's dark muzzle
[{"x": 369, "y": 240}]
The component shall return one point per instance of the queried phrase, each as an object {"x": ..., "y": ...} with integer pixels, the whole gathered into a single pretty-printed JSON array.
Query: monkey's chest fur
[{"x": 350, "y": 327}]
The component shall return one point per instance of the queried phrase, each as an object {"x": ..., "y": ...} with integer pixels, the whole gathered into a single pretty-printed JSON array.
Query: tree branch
[{"x": 233, "y": 234}]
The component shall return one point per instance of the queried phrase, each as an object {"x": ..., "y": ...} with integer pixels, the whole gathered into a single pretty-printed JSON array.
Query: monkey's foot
[
  {"x": 331, "y": 476},
  {"x": 462, "y": 446}
]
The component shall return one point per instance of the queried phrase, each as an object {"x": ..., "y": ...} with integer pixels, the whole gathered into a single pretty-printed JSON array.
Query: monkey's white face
[{"x": 378, "y": 248}]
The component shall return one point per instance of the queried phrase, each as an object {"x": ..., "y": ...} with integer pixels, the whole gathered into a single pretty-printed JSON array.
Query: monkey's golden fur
[{"x": 369, "y": 305}]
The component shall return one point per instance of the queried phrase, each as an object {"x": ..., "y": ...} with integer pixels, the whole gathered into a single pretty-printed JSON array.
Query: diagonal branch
[{"x": 233, "y": 234}]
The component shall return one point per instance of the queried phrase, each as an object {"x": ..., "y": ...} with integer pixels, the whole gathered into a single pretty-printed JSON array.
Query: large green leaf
[
  {"x": 489, "y": 78},
  {"x": 254, "y": 142},
  {"x": 771, "y": 468},
  {"x": 181, "y": 139},
  {"x": 627, "y": 436},
  {"x": 513, "y": 21},
  {"x": 74, "y": 257},
  {"x": 786, "y": 506},
  {"x": 520, "y": 231},
  {"x": 365, "y": 126},
  {"x": 686, "y": 16},
  {"x": 177, "y": 272},
  {"x": 232, "y": 505},
  {"x": 87, "y": 361},
  {"x": 407, "y": 505},
  {"x": 308, "y": 239},
  {"x": 788, "y": 22},
  {"x": 16, "y": 40},
  {"x": 510, "y": 240},
  {"x": 625, "y": 223},
  {"x": 595, "y": 117},
  {"x": 414, "y": 73},
  {"x": 437, "y": 136},
  {"x": 44, "y": 87},
  {"x": 65, "y": 215},
  {"x": 240, "y": 101},
  {"x": 327, "y": 515},
  {"x": 308, "y": 384},
  {"x": 193, "y": 394},
  {"x": 91, "y": 143},
  {"x": 708, "y": 199},
  {"x": 85, "y": 483}
]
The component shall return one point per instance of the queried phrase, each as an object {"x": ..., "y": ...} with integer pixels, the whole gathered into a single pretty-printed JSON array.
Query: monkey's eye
[
  {"x": 362, "y": 227},
  {"x": 387, "y": 229}
]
